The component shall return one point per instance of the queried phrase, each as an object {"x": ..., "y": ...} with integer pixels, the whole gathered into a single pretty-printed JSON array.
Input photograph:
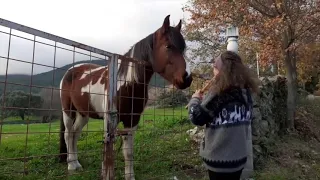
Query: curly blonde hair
[{"x": 234, "y": 73}]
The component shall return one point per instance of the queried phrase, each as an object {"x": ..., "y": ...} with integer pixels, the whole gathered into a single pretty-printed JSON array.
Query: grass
[{"x": 161, "y": 149}]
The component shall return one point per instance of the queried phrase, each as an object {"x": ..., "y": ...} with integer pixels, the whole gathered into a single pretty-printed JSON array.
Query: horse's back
[{"x": 75, "y": 71}]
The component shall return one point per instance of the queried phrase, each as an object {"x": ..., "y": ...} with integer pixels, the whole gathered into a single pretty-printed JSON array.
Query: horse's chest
[{"x": 132, "y": 102}]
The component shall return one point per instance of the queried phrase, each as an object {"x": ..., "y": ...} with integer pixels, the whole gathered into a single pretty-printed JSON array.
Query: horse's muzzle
[{"x": 187, "y": 80}]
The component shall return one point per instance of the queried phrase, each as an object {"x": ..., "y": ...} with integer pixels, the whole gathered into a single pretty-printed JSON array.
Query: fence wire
[
  {"x": 31, "y": 70},
  {"x": 162, "y": 148},
  {"x": 31, "y": 67}
]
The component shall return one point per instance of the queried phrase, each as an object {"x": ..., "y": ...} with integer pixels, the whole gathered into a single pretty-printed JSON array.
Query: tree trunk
[{"x": 292, "y": 89}]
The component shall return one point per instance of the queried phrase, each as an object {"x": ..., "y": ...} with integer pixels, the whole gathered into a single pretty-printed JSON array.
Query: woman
[{"x": 226, "y": 112}]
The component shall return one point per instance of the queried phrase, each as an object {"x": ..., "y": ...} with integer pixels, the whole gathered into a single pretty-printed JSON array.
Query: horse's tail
[{"x": 63, "y": 146}]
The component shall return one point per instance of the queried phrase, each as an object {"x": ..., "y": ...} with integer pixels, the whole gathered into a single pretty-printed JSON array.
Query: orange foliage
[
  {"x": 309, "y": 64},
  {"x": 273, "y": 26}
]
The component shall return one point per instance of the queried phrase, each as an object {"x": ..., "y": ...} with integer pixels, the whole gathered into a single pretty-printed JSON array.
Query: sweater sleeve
[
  {"x": 199, "y": 112},
  {"x": 197, "y": 115}
]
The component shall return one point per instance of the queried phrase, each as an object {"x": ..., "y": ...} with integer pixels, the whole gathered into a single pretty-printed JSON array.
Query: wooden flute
[{"x": 205, "y": 88}]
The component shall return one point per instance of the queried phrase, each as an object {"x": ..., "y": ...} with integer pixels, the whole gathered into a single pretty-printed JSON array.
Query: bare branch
[
  {"x": 304, "y": 31},
  {"x": 263, "y": 11}
]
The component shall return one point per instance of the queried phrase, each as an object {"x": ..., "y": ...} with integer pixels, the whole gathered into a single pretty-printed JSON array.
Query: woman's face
[{"x": 217, "y": 65}]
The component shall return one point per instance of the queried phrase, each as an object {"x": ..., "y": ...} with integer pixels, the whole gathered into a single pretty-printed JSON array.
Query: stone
[
  {"x": 193, "y": 131},
  {"x": 264, "y": 127},
  {"x": 255, "y": 131},
  {"x": 196, "y": 134},
  {"x": 257, "y": 148},
  {"x": 314, "y": 152},
  {"x": 255, "y": 138}
]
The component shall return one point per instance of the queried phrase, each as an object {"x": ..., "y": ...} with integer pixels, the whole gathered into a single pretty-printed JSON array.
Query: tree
[
  {"x": 172, "y": 98},
  {"x": 52, "y": 104},
  {"x": 19, "y": 103},
  {"x": 309, "y": 65},
  {"x": 277, "y": 28},
  {"x": 200, "y": 82}
]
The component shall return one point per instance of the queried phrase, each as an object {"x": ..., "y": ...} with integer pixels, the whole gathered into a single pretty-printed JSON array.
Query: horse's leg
[
  {"x": 77, "y": 128},
  {"x": 128, "y": 153},
  {"x": 68, "y": 136}
]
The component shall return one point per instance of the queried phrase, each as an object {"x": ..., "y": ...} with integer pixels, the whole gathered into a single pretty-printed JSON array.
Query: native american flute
[{"x": 205, "y": 88}]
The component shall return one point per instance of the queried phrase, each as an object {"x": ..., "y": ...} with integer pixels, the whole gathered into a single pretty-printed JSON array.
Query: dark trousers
[{"x": 224, "y": 176}]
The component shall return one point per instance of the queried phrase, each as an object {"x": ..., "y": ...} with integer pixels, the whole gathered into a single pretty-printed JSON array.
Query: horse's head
[{"x": 168, "y": 55}]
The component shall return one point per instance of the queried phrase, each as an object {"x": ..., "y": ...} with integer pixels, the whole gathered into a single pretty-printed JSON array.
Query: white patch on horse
[
  {"x": 62, "y": 79},
  {"x": 188, "y": 69},
  {"x": 71, "y": 135},
  {"x": 90, "y": 71},
  {"x": 131, "y": 74},
  {"x": 128, "y": 153},
  {"x": 132, "y": 51},
  {"x": 61, "y": 87},
  {"x": 77, "y": 127},
  {"x": 97, "y": 95}
]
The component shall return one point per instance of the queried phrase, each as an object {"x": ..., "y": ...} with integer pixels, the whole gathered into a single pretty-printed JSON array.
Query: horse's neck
[
  {"x": 143, "y": 81},
  {"x": 142, "y": 51},
  {"x": 139, "y": 75}
]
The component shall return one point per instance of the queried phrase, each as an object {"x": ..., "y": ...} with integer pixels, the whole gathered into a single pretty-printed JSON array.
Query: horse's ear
[
  {"x": 166, "y": 25},
  {"x": 178, "y": 27}
]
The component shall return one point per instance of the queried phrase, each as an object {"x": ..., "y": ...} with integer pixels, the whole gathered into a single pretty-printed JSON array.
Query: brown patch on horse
[
  {"x": 131, "y": 101},
  {"x": 72, "y": 97}
]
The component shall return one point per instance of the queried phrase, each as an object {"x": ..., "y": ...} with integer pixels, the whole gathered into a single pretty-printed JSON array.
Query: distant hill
[{"x": 52, "y": 78}]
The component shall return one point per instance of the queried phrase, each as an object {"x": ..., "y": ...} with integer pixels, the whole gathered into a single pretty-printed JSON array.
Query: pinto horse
[{"x": 84, "y": 86}]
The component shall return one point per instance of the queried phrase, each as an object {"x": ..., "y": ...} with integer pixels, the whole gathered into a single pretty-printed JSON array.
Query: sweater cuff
[{"x": 194, "y": 100}]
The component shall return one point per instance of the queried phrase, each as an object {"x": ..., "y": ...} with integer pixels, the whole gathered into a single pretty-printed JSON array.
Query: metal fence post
[{"x": 110, "y": 123}]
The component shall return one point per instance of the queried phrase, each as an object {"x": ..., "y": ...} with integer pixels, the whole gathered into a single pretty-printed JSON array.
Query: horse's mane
[{"x": 142, "y": 52}]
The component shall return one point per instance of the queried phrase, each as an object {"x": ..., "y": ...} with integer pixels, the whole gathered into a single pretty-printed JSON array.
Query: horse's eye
[{"x": 168, "y": 46}]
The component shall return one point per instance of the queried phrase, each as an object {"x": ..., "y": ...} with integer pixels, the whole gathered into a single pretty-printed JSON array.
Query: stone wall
[{"x": 269, "y": 116}]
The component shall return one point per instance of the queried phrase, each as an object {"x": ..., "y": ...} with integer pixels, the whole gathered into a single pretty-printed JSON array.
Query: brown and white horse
[{"x": 163, "y": 50}]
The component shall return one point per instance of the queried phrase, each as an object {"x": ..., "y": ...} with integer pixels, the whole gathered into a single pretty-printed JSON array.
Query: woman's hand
[{"x": 197, "y": 94}]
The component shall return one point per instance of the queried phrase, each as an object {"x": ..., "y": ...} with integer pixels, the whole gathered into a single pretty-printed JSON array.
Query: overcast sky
[{"x": 111, "y": 25}]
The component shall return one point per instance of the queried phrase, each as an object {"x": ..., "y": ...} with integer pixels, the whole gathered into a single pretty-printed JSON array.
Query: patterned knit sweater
[{"x": 226, "y": 117}]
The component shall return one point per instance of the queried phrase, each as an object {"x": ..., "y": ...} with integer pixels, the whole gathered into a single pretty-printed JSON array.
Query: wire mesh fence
[
  {"x": 31, "y": 70},
  {"x": 32, "y": 66},
  {"x": 162, "y": 148}
]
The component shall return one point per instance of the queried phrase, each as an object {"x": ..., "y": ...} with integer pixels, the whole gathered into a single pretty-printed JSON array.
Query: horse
[{"x": 84, "y": 87}]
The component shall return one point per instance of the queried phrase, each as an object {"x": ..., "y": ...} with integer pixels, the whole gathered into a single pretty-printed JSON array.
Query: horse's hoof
[
  {"x": 130, "y": 178},
  {"x": 72, "y": 167},
  {"x": 79, "y": 168}
]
